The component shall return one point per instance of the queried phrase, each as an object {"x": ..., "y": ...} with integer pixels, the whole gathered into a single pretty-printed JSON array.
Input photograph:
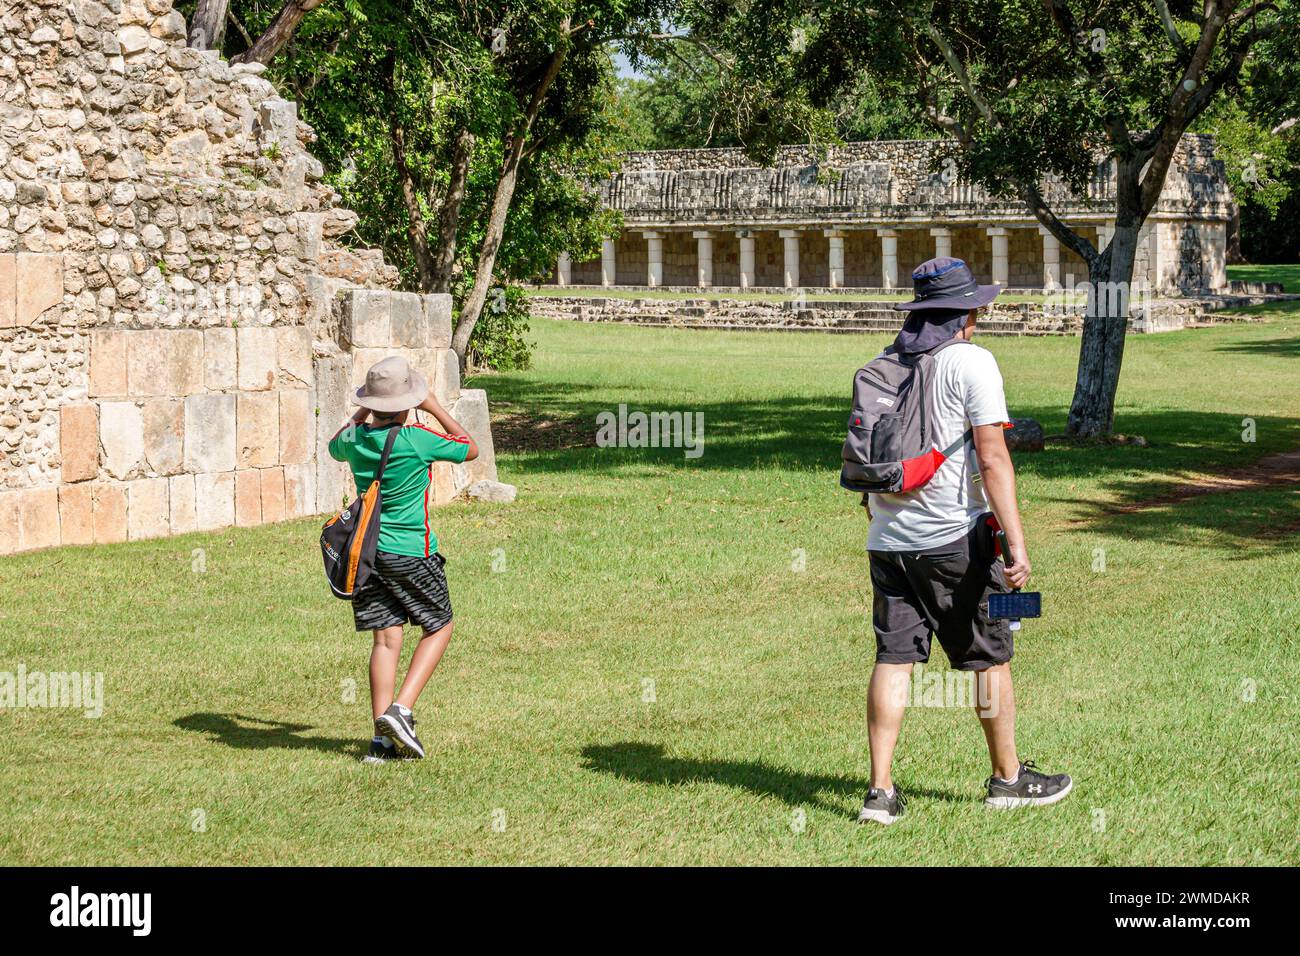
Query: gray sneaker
[
  {"x": 1032, "y": 788},
  {"x": 880, "y": 808},
  {"x": 400, "y": 728}
]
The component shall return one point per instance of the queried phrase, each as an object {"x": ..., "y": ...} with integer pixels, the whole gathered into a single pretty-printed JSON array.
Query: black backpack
[
  {"x": 889, "y": 448},
  {"x": 349, "y": 540}
]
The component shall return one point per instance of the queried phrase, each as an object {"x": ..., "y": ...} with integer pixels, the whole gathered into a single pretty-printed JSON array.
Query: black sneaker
[
  {"x": 400, "y": 728},
  {"x": 879, "y": 808},
  {"x": 1032, "y": 788},
  {"x": 381, "y": 752}
]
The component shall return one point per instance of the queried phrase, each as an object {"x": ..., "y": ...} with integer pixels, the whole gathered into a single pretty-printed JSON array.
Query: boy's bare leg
[
  {"x": 996, "y": 707},
  {"x": 423, "y": 661},
  {"x": 886, "y": 701},
  {"x": 383, "y": 667}
]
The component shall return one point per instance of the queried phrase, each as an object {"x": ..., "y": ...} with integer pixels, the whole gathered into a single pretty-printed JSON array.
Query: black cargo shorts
[{"x": 941, "y": 591}]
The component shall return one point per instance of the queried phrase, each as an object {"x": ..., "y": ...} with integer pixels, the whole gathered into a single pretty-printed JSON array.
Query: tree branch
[
  {"x": 1167, "y": 21},
  {"x": 279, "y": 33},
  {"x": 959, "y": 71}
]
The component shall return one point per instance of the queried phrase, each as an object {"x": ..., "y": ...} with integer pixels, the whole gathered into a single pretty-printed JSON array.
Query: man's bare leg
[
  {"x": 886, "y": 701},
  {"x": 426, "y": 657},
  {"x": 383, "y": 667},
  {"x": 996, "y": 707}
]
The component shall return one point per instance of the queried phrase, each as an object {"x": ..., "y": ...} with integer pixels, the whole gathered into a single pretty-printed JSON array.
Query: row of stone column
[{"x": 999, "y": 237}]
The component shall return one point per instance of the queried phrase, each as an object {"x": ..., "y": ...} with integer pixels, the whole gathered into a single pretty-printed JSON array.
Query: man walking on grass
[
  {"x": 931, "y": 549},
  {"x": 408, "y": 584}
]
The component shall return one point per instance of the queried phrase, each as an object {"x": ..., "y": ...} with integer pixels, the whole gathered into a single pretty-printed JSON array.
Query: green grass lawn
[{"x": 648, "y": 679}]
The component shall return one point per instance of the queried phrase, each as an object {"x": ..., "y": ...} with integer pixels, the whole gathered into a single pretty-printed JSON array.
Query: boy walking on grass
[
  {"x": 408, "y": 584},
  {"x": 931, "y": 551}
]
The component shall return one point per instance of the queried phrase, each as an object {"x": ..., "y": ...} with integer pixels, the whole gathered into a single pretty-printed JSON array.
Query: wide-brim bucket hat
[
  {"x": 392, "y": 386},
  {"x": 946, "y": 283}
]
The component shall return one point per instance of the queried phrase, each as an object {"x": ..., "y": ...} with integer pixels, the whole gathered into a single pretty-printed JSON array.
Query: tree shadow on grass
[
  {"x": 805, "y": 432},
  {"x": 647, "y": 763},
  {"x": 1288, "y": 347},
  {"x": 1146, "y": 490},
  {"x": 256, "y": 733},
  {"x": 801, "y": 433}
]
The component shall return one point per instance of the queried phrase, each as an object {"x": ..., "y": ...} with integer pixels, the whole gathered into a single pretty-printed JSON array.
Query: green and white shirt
[{"x": 404, "y": 519}]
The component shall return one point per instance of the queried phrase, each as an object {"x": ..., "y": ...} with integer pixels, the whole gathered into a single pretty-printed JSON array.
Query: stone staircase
[
  {"x": 868, "y": 316},
  {"x": 861, "y": 321},
  {"x": 831, "y": 316}
]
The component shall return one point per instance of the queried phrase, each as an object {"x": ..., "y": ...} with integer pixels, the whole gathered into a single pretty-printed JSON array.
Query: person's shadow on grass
[
  {"x": 256, "y": 733},
  {"x": 646, "y": 763}
]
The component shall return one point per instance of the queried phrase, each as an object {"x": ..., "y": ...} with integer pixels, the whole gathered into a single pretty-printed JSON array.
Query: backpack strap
[
  {"x": 967, "y": 436},
  {"x": 388, "y": 449}
]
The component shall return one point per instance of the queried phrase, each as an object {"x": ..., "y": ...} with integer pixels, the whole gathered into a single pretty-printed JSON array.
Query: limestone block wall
[
  {"x": 769, "y": 259},
  {"x": 178, "y": 314},
  {"x": 726, "y": 259},
  {"x": 914, "y": 247},
  {"x": 375, "y": 324},
  {"x": 862, "y": 265},
  {"x": 1185, "y": 254},
  {"x": 679, "y": 259},
  {"x": 631, "y": 258}
]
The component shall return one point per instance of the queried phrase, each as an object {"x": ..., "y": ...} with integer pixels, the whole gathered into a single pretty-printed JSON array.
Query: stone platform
[{"x": 846, "y": 316}]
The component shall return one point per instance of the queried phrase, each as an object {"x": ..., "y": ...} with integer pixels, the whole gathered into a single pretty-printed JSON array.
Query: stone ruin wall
[
  {"x": 896, "y": 182},
  {"x": 912, "y": 171},
  {"x": 180, "y": 325}
]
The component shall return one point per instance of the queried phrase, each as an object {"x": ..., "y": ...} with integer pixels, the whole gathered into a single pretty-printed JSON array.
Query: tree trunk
[
  {"x": 1101, "y": 350},
  {"x": 449, "y": 216},
  {"x": 279, "y": 33},
  {"x": 416, "y": 231},
  {"x": 472, "y": 308},
  {"x": 208, "y": 25}
]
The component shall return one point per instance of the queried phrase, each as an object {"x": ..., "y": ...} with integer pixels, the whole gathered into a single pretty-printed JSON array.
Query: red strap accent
[
  {"x": 994, "y": 528},
  {"x": 917, "y": 471}
]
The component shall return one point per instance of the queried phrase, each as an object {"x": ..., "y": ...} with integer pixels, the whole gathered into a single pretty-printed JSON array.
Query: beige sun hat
[{"x": 392, "y": 386}]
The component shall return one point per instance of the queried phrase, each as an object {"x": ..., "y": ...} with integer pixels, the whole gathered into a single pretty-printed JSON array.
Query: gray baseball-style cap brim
[{"x": 391, "y": 386}]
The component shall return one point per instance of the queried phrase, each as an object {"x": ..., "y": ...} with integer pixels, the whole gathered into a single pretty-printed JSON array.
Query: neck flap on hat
[{"x": 926, "y": 328}]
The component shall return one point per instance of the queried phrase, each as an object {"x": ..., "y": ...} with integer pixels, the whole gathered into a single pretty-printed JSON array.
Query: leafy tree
[
  {"x": 464, "y": 153},
  {"x": 1273, "y": 234},
  {"x": 553, "y": 64},
  {"x": 1256, "y": 162},
  {"x": 688, "y": 98},
  {"x": 1025, "y": 90}
]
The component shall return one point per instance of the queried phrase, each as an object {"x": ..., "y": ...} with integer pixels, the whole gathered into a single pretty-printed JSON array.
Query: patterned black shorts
[{"x": 403, "y": 589}]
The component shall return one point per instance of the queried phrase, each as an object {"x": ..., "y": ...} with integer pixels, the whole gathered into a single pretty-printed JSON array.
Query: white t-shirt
[{"x": 967, "y": 392}]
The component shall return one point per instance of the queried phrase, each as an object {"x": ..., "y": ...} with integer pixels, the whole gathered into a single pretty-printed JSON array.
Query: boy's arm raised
[{"x": 449, "y": 424}]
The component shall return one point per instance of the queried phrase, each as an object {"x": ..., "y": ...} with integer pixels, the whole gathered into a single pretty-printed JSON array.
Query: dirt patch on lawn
[
  {"x": 514, "y": 429},
  {"x": 1273, "y": 471}
]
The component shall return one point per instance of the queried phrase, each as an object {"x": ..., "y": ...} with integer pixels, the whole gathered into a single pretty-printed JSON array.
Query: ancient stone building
[
  {"x": 180, "y": 327},
  {"x": 867, "y": 213}
]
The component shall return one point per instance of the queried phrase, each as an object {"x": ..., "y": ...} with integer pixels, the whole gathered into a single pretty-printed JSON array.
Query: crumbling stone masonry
[
  {"x": 180, "y": 327},
  {"x": 865, "y": 214}
]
